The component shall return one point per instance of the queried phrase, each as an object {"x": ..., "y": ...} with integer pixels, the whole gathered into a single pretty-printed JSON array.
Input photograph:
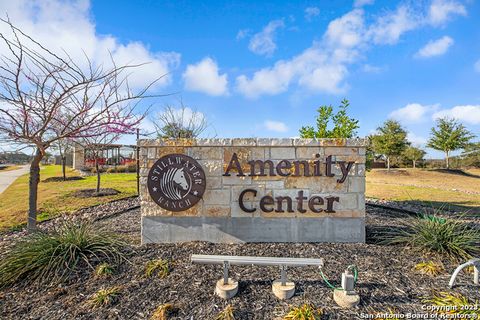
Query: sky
[{"x": 262, "y": 68}]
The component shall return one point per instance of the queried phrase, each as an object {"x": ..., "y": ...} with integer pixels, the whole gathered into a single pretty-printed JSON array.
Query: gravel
[{"x": 386, "y": 278}]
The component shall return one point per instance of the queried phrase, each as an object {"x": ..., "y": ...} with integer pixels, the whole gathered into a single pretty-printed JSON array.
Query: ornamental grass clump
[
  {"x": 52, "y": 256},
  {"x": 304, "y": 312},
  {"x": 160, "y": 266},
  {"x": 454, "y": 304},
  {"x": 104, "y": 270},
  {"x": 104, "y": 297},
  {"x": 432, "y": 234},
  {"x": 430, "y": 268},
  {"x": 163, "y": 311},
  {"x": 226, "y": 314}
]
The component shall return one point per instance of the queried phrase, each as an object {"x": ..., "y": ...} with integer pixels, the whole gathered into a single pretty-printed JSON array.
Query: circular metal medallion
[{"x": 176, "y": 182}]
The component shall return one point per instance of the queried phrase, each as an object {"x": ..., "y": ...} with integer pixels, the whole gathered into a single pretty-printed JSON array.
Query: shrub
[
  {"x": 432, "y": 234},
  {"x": 226, "y": 313},
  {"x": 104, "y": 297},
  {"x": 454, "y": 303},
  {"x": 430, "y": 268},
  {"x": 159, "y": 265},
  {"x": 111, "y": 170},
  {"x": 122, "y": 169},
  {"x": 94, "y": 170},
  {"x": 104, "y": 270},
  {"x": 51, "y": 256},
  {"x": 304, "y": 312},
  {"x": 132, "y": 167},
  {"x": 162, "y": 312}
]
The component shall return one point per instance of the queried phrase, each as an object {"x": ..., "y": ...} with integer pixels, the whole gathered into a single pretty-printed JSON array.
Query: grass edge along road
[
  {"x": 55, "y": 198},
  {"x": 9, "y": 168}
]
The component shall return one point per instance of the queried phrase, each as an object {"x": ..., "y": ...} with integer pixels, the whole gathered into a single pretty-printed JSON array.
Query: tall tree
[
  {"x": 449, "y": 135},
  {"x": 45, "y": 97},
  {"x": 343, "y": 125},
  {"x": 391, "y": 140},
  {"x": 413, "y": 154}
]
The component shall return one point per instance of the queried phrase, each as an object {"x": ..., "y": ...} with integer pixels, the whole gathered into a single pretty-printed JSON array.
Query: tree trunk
[
  {"x": 447, "y": 160},
  {"x": 33, "y": 190},
  {"x": 64, "y": 160},
  {"x": 388, "y": 163},
  {"x": 414, "y": 164},
  {"x": 98, "y": 174}
]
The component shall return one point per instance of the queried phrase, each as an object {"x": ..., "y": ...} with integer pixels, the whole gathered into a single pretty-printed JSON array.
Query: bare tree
[
  {"x": 180, "y": 123},
  {"x": 45, "y": 97},
  {"x": 95, "y": 145}
]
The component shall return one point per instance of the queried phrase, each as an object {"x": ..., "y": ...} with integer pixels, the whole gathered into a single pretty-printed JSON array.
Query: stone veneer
[{"x": 218, "y": 217}]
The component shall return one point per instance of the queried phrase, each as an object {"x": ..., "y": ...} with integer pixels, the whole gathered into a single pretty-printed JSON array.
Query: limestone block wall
[
  {"x": 78, "y": 157},
  {"x": 220, "y": 202}
]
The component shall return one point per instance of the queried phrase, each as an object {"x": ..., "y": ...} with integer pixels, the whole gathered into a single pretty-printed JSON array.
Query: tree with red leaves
[{"x": 45, "y": 97}]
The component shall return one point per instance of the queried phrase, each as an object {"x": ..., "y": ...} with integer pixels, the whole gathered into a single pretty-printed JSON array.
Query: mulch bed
[
  {"x": 386, "y": 279},
  {"x": 89, "y": 193}
]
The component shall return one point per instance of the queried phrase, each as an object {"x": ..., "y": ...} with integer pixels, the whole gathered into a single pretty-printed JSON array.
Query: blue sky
[{"x": 261, "y": 68}]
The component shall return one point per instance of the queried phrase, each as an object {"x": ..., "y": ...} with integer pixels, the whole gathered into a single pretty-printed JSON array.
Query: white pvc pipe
[
  {"x": 473, "y": 262},
  {"x": 261, "y": 261}
]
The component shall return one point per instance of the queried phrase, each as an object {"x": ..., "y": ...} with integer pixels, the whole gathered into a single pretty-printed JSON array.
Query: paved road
[{"x": 7, "y": 177}]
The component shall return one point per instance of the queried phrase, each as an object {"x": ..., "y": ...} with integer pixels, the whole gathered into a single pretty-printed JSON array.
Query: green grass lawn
[{"x": 55, "y": 198}]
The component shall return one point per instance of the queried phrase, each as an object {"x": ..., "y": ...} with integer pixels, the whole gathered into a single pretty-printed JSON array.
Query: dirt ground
[{"x": 386, "y": 280}]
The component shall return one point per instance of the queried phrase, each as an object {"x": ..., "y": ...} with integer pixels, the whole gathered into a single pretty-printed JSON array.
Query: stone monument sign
[{"x": 253, "y": 190}]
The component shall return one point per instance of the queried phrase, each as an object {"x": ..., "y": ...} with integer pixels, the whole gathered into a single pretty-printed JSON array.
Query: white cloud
[
  {"x": 312, "y": 69},
  {"x": 346, "y": 31},
  {"x": 243, "y": 34},
  {"x": 204, "y": 77},
  {"x": 325, "y": 78},
  {"x": 320, "y": 68},
  {"x": 468, "y": 114},
  {"x": 311, "y": 12},
  {"x": 435, "y": 47},
  {"x": 263, "y": 43},
  {"x": 389, "y": 27},
  {"x": 412, "y": 112},
  {"x": 269, "y": 81},
  {"x": 416, "y": 139},
  {"x": 67, "y": 25},
  {"x": 476, "y": 66},
  {"x": 368, "y": 68},
  {"x": 323, "y": 67},
  {"x": 441, "y": 11},
  {"x": 276, "y": 126},
  {"x": 361, "y": 3}
]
